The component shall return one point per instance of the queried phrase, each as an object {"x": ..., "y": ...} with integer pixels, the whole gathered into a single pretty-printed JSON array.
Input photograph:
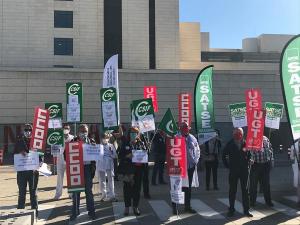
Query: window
[
  {"x": 63, "y": 46},
  {"x": 65, "y": 0},
  {"x": 63, "y": 19}
]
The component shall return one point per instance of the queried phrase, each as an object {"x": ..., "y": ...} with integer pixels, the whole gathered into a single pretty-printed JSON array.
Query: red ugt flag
[{"x": 151, "y": 92}]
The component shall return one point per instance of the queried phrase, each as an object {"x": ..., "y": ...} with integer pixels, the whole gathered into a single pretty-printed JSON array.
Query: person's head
[
  {"x": 67, "y": 129},
  {"x": 134, "y": 134},
  {"x": 27, "y": 130},
  {"x": 83, "y": 131},
  {"x": 105, "y": 138},
  {"x": 238, "y": 134},
  {"x": 184, "y": 128}
]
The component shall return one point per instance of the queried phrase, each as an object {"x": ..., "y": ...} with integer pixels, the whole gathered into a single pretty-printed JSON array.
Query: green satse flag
[
  {"x": 290, "y": 82},
  {"x": 168, "y": 124},
  {"x": 203, "y": 105}
]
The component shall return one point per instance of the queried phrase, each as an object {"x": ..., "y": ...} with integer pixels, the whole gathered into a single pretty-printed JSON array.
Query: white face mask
[
  {"x": 83, "y": 135},
  {"x": 27, "y": 134},
  {"x": 66, "y": 131}
]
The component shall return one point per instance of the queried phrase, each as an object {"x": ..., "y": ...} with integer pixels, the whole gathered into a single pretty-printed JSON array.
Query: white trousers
[
  {"x": 61, "y": 168},
  {"x": 107, "y": 191}
]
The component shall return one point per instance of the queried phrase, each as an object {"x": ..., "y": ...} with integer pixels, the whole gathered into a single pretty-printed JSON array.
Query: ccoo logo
[
  {"x": 73, "y": 89},
  {"x": 54, "y": 138},
  {"x": 54, "y": 111},
  {"x": 142, "y": 109},
  {"x": 107, "y": 95}
]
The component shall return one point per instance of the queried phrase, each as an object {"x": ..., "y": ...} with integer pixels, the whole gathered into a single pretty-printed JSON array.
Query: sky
[{"x": 230, "y": 21}]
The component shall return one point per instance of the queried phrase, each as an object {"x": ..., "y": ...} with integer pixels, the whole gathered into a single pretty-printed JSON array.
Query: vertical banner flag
[
  {"x": 176, "y": 156},
  {"x": 151, "y": 92},
  {"x": 168, "y": 124},
  {"x": 1, "y": 156},
  {"x": 40, "y": 129},
  {"x": 290, "y": 83},
  {"x": 55, "y": 114},
  {"x": 255, "y": 119},
  {"x": 204, "y": 106},
  {"x": 143, "y": 114},
  {"x": 185, "y": 108},
  {"x": 74, "y": 102},
  {"x": 55, "y": 140},
  {"x": 109, "y": 108},
  {"x": 274, "y": 112},
  {"x": 238, "y": 114},
  {"x": 111, "y": 77},
  {"x": 74, "y": 166}
]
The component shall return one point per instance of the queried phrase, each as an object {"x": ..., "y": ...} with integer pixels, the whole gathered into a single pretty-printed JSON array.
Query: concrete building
[{"x": 44, "y": 44}]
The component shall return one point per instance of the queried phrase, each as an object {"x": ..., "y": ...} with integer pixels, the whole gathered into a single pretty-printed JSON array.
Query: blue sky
[{"x": 229, "y": 21}]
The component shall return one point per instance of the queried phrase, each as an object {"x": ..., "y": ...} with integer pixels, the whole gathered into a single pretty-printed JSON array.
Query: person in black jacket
[
  {"x": 159, "y": 153},
  {"x": 236, "y": 158}
]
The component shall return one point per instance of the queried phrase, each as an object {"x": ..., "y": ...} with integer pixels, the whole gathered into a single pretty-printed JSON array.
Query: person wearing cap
[
  {"x": 131, "y": 173},
  {"x": 237, "y": 159},
  {"x": 30, "y": 177},
  {"x": 105, "y": 166},
  {"x": 88, "y": 178},
  {"x": 193, "y": 155},
  {"x": 61, "y": 163},
  {"x": 294, "y": 153}
]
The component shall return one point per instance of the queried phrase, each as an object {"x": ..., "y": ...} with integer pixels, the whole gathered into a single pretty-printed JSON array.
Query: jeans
[{"x": 31, "y": 177}]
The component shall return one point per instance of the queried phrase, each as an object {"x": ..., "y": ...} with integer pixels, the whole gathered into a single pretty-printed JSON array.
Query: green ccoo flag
[
  {"x": 290, "y": 82},
  {"x": 168, "y": 124},
  {"x": 204, "y": 106}
]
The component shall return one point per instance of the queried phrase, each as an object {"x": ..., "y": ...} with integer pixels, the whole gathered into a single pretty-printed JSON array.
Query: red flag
[
  {"x": 1, "y": 156},
  {"x": 253, "y": 101},
  {"x": 151, "y": 92},
  {"x": 255, "y": 132},
  {"x": 185, "y": 108},
  {"x": 40, "y": 129},
  {"x": 74, "y": 166},
  {"x": 176, "y": 156}
]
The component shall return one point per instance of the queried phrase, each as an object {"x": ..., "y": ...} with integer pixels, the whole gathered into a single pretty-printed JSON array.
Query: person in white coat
[
  {"x": 61, "y": 164},
  {"x": 295, "y": 157},
  {"x": 105, "y": 166}
]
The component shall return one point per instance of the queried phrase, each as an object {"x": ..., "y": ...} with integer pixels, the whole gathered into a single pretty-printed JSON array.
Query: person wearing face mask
[
  {"x": 131, "y": 173},
  {"x": 105, "y": 166},
  {"x": 30, "y": 176},
  {"x": 236, "y": 158},
  {"x": 88, "y": 178},
  {"x": 61, "y": 163}
]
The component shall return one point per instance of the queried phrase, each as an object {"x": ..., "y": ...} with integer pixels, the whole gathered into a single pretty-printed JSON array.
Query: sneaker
[
  {"x": 136, "y": 211},
  {"x": 190, "y": 210},
  {"x": 246, "y": 213}
]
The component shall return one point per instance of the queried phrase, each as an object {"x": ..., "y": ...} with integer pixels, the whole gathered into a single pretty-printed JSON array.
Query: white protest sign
[
  {"x": 28, "y": 162},
  {"x": 109, "y": 114},
  {"x": 73, "y": 100},
  {"x": 139, "y": 156},
  {"x": 55, "y": 123},
  {"x": 176, "y": 183},
  {"x": 177, "y": 197},
  {"x": 73, "y": 112},
  {"x": 91, "y": 152},
  {"x": 56, "y": 150},
  {"x": 146, "y": 124}
]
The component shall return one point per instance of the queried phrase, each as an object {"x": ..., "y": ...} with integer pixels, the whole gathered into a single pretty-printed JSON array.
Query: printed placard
[
  {"x": 139, "y": 156},
  {"x": 91, "y": 152},
  {"x": 29, "y": 161},
  {"x": 177, "y": 197}
]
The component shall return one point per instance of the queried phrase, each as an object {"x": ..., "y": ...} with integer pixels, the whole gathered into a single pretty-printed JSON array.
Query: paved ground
[{"x": 210, "y": 205}]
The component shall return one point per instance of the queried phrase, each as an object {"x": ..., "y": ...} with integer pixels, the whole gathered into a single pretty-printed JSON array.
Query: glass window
[
  {"x": 63, "y": 46},
  {"x": 63, "y": 19}
]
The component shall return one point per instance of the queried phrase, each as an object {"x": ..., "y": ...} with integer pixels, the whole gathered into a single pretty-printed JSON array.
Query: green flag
[
  {"x": 290, "y": 82},
  {"x": 204, "y": 106},
  {"x": 168, "y": 124}
]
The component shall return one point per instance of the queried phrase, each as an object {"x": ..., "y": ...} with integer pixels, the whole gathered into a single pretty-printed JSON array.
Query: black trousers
[
  {"x": 260, "y": 172},
  {"x": 234, "y": 177},
  {"x": 145, "y": 177},
  {"x": 187, "y": 190},
  {"x": 32, "y": 178},
  {"x": 158, "y": 168},
  {"x": 211, "y": 167},
  {"x": 131, "y": 191}
]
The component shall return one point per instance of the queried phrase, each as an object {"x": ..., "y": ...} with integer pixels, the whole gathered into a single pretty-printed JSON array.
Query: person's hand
[{"x": 24, "y": 153}]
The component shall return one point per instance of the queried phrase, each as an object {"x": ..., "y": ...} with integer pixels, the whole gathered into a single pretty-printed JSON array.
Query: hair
[
  {"x": 83, "y": 126},
  {"x": 66, "y": 125}
]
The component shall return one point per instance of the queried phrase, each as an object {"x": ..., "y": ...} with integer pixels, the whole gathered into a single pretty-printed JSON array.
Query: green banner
[
  {"x": 74, "y": 102},
  {"x": 168, "y": 124},
  {"x": 143, "y": 114},
  {"x": 55, "y": 110},
  {"x": 290, "y": 82},
  {"x": 238, "y": 114},
  {"x": 204, "y": 105},
  {"x": 109, "y": 108},
  {"x": 55, "y": 137}
]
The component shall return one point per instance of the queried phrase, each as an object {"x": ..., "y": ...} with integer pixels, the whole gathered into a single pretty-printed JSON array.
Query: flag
[
  {"x": 290, "y": 83},
  {"x": 168, "y": 124},
  {"x": 151, "y": 92},
  {"x": 204, "y": 106},
  {"x": 184, "y": 108}
]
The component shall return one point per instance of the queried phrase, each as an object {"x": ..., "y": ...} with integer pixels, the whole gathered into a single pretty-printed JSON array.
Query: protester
[
  {"x": 159, "y": 155},
  {"x": 295, "y": 156},
  {"x": 211, "y": 155},
  {"x": 30, "y": 176},
  {"x": 105, "y": 166},
  {"x": 193, "y": 155},
  {"x": 236, "y": 158},
  {"x": 145, "y": 167},
  {"x": 131, "y": 173},
  {"x": 88, "y": 178},
  {"x": 262, "y": 162},
  {"x": 61, "y": 164}
]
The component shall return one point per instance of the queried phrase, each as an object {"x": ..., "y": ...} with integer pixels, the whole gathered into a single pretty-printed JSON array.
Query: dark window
[
  {"x": 113, "y": 29},
  {"x": 64, "y": 0},
  {"x": 63, "y": 46},
  {"x": 63, "y": 19},
  {"x": 63, "y": 66},
  {"x": 152, "y": 58}
]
